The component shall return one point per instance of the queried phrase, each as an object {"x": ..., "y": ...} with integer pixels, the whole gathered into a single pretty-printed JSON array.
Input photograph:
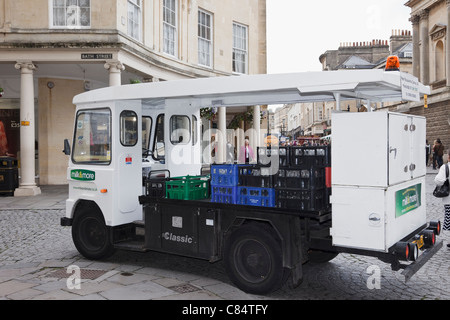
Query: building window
[
  {"x": 240, "y": 48},
  {"x": 170, "y": 27},
  {"x": 71, "y": 13},
  {"x": 204, "y": 39},
  {"x": 134, "y": 19},
  {"x": 440, "y": 61}
]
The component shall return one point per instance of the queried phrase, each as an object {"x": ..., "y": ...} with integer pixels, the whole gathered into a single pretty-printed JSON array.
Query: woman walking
[{"x": 440, "y": 179}]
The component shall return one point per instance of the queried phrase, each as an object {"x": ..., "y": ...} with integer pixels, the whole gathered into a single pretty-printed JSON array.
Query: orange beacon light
[{"x": 392, "y": 63}]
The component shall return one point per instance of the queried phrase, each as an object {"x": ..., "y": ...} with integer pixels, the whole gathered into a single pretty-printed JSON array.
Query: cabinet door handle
[{"x": 393, "y": 150}]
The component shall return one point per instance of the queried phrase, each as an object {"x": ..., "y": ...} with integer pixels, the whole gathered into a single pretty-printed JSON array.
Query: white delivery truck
[{"x": 320, "y": 202}]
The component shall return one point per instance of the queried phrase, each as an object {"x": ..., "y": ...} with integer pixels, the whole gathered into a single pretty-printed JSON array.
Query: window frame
[
  {"x": 146, "y": 142},
  {"x": 76, "y": 143},
  {"x": 188, "y": 130},
  {"x": 237, "y": 40},
  {"x": 155, "y": 140},
  {"x": 123, "y": 130},
  {"x": 194, "y": 130},
  {"x": 172, "y": 28},
  {"x": 135, "y": 4},
  {"x": 201, "y": 39},
  {"x": 53, "y": 20}
]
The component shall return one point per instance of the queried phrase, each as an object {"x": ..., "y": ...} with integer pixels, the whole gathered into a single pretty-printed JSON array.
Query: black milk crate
[
  {"x": 303, "y": 178},
  {"x": 308, "y": 200},
  {"x": 257, "y": 176},
  {"x": 155, "y": 187},
  {"x": 266, "y": 156},
  {"x": 310, "y": 155}
]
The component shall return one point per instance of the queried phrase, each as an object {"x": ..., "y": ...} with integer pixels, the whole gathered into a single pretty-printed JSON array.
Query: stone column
[
  {"x": 221, "y": 135},
  {"x": 27, "y": 185},
  {"x": 424, "y": 48},
  {"x": 115, "y": 69},
  {"x": 257, "y": 127},
  {"x": 416, "y": 46},
  {"x": 447, "y": 46}
]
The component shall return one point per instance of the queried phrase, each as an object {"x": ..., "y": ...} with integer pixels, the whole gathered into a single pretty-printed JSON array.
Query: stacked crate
[
  {"x": 224, "y": 183},
  {"x": 249, "y": 185},
  {"x": 302, "y": 179},
  {"x": 256, "y": 186}
]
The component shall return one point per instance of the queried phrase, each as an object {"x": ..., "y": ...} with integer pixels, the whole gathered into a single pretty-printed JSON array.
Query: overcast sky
[{"x": 299, "y": 31}]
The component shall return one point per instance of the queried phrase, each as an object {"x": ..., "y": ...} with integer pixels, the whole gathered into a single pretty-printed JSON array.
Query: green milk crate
[{"x": 188, "y": 188}]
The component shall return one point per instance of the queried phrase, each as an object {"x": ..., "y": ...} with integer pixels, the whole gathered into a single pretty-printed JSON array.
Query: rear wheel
[
  {"x": 254, "y": 260},
  {"x": 91, "y": 236}
]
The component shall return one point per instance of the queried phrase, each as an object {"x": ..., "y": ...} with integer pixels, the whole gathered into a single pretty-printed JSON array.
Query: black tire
[
  {"x": 91, "y": 236},
  {"x": 253, "y": 259}
]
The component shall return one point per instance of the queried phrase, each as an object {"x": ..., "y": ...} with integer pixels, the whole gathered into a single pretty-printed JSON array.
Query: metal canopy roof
[{"x": 247, "y": 90}]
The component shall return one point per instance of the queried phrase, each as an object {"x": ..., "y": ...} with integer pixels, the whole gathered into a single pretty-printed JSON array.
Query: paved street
[{"x": 35, "y": 252}]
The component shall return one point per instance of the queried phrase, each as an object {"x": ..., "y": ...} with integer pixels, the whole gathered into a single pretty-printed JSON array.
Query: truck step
[{"x": 132, "y": 245}]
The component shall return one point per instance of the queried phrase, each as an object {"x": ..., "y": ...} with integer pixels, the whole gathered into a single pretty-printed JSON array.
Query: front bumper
[{"x": 66, "y": 222}]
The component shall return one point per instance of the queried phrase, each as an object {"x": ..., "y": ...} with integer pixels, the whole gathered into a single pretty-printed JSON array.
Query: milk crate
[
  {"x": 305, "y": 200},
  {"x": 225, "y": 174},
  {"x": 310, "y": 155},
  {"x": 188, "y": 188},
  {"x": 155, "y": 187},
  {"x": 303, "y": 178},
  {"x": 255, "y": 176},
  {"x": 261, "y": 197},
  {"x": 267, "y": 156},
  {"x": 224, "y": 194}
]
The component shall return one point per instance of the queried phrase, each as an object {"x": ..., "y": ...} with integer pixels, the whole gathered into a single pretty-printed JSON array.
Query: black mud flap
[{"x": 411, "y": 269}]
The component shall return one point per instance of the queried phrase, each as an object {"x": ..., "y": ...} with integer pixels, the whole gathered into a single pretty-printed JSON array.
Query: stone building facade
[
  {"x": 61, "y": 48},
  {"x": 431, "y": 64}
]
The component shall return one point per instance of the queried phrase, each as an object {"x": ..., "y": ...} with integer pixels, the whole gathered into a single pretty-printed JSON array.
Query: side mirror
[{"x": 66, "y": 147}]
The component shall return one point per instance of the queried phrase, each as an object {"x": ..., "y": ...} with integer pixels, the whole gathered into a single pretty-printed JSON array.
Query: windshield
[{"x": 92, "y": 140}]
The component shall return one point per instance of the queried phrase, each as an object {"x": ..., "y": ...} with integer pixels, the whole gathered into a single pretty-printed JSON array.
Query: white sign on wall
[{"x": 410, "y": 87}]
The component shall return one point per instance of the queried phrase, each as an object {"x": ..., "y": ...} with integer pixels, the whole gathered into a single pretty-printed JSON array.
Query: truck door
[
  {"x": 129, "y": 159},
  {"x": 399, "y": 148},
  {"x": 182, "y": 146},
  {"x": 407, "y": 136},
  {"x": 418, "y": 135}
]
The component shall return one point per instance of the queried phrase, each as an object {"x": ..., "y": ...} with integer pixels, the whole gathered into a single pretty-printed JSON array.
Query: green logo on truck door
[
  {"x": 82, "y": 175},
  {"x": 408, "y": 199}
]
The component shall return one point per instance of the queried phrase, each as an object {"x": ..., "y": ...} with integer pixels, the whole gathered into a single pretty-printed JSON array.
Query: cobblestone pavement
[{"x": 35, "y": 252}]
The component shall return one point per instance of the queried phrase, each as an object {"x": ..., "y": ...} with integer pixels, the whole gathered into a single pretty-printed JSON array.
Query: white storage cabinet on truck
[{"x": 374, "y": 205}]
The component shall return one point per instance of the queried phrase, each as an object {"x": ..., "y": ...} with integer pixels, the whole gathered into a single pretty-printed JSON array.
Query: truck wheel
[
  {"x": 253, "y": 259},
  {"x": 91, "y": 236}
]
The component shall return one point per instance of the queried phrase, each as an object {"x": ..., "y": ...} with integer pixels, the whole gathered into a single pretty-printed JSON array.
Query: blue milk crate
[
  {"x": 224, "y": 194},
  {"x": 261, "y": 197},
  {"x": 225, "y": 174}
]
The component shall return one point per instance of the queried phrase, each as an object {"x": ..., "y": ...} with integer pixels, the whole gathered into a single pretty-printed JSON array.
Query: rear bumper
[{"x": 412, "y": 268}]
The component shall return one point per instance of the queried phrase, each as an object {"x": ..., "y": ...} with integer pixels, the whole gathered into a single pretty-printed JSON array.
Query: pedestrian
[
  {"x": 428, "y": 152},
  {"x": 246, "y": 154},
  {"x": 438, "y": 153},
  {"x": 440, "y": 179}
]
